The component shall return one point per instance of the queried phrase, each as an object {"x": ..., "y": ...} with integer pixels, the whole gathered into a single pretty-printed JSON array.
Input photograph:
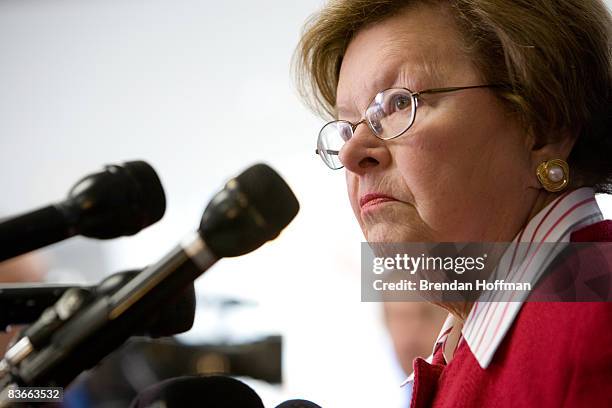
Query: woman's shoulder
[
  {"x": 598, "y": 232},
  {"x": 582, "y": 272}
]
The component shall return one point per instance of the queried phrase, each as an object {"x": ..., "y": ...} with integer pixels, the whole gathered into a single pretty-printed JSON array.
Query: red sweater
[{"x": 555, "y": 355}]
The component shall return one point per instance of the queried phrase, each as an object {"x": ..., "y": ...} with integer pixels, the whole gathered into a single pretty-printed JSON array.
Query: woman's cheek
[{"x": 352, "y": 184}]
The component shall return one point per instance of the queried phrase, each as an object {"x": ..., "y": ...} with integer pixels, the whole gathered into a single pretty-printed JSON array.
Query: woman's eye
[{"x": 401, "y": 102}]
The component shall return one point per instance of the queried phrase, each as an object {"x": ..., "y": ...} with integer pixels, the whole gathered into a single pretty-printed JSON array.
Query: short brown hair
[{"x": 554, "y": 55}]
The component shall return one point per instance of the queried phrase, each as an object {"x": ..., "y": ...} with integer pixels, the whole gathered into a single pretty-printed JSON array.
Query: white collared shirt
[{"x": 489, "y": 320}]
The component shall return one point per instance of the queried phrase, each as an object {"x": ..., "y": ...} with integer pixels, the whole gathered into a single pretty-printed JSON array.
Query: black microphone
[
  {"x": 119, "y": 201},
  {"x": 198, "y": 392},
  {"x": 24, "y": 303},
  {"x": 298, "y": 403},
  {"x": 252, "y": 209},
  {"x": 176, "y": 317}
]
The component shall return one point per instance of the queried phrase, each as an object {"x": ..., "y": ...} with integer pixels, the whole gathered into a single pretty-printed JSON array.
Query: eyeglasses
[{"x": 389, "y": 115}]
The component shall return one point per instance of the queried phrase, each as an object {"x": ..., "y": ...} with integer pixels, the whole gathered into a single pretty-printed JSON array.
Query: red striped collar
[{"x": 489, "y": 321}]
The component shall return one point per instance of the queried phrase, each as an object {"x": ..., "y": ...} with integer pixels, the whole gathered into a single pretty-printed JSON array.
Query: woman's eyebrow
[{"x": 417, "y": 76}]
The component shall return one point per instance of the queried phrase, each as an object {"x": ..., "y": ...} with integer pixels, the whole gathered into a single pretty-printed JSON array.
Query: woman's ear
[{"x": 558, "y": 146}]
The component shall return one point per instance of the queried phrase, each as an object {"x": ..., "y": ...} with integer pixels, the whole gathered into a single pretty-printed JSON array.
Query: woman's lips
[{"x": 372, "y": 199}]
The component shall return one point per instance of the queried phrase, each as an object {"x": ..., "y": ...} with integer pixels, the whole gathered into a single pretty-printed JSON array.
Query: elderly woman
[{"x": 478, "y": 121}]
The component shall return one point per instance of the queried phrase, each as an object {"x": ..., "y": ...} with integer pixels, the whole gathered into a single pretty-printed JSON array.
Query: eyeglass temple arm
[
  {"x": 333, "y": 152},
  {"x": 457, "y": 88}
]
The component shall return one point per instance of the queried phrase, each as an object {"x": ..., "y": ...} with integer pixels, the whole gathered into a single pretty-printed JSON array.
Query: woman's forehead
[{"x": 419, "y": 48}]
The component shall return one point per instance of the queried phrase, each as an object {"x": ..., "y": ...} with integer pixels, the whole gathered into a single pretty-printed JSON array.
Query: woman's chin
[{"x": 382, "y": 232}]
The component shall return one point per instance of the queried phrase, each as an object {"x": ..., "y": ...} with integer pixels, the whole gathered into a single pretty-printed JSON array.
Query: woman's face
[{"x": 463, "y": 171}]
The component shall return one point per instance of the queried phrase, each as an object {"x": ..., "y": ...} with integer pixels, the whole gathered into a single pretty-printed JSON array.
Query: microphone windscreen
[
  {"x": 149, "y": 189},
  {"x": 119, "y": 201},
  {"x": 298, "y": 403},
  {"x": 176, "y": 316},
  {"x": 200, "y": 392},
  {"x": 173, "y": 317},
  {"x": 270, "y": 194},
  {"x": 252, "y": 209}
]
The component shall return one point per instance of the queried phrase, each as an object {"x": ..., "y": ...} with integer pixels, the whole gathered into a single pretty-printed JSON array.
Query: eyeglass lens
[{"x": 389, "y": 115}]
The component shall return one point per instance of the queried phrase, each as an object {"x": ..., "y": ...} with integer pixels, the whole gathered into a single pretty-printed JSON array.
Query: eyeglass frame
[{"x": 415, "y": 104}]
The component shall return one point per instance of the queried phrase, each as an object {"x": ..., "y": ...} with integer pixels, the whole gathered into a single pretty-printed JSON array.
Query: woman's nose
[{"x": 364, "y": 151}]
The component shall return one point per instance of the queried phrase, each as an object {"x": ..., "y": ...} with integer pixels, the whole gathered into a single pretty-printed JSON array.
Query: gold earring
[{"x": 553, "y": 175}]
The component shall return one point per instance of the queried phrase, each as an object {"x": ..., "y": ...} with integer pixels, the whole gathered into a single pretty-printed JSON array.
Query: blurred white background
[{"x": 200, "y": 90}]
